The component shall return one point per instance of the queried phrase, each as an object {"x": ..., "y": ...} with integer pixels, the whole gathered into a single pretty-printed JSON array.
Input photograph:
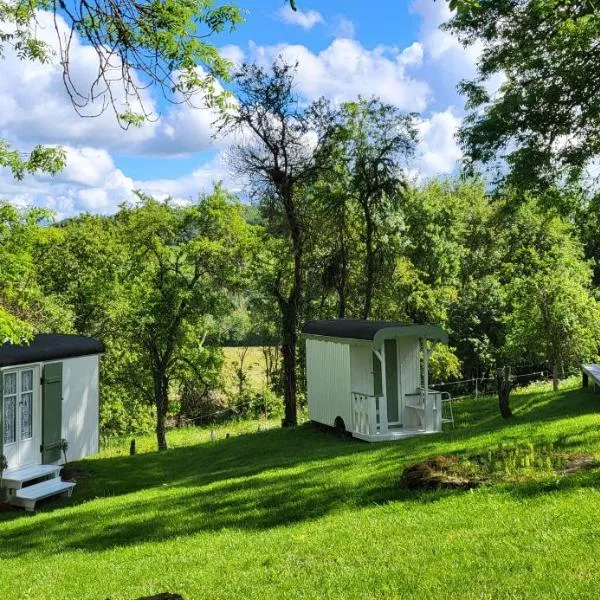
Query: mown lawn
[{"x": 304, "y": 514}]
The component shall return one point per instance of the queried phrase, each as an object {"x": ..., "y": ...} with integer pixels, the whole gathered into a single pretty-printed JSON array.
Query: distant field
[
  {"x": 301, "y": 513},
  {"x": 254, "y": 367}
]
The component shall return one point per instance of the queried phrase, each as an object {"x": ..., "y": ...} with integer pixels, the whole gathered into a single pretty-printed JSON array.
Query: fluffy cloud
[
  {"x": 343, "y": 28},
  {"x": 92, "y": 182},
  {"x": 307, "y": 20},
  {"x": 438, "y": 152},
  {"x": 346, "y": 69},
  {"x": 37, "y": 108}
]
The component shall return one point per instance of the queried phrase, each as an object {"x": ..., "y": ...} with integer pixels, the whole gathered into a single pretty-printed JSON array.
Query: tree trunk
[
  {"x": 290, "y": 311},
  {"x": 504, "y": 388},
  {"x": 369, "y": 265},
  {"x": 161, "y": 399},
  {"x": 342, "y": 284},
  {"x": 555, "y": 377},
  {"x": 290, "y": 339}
]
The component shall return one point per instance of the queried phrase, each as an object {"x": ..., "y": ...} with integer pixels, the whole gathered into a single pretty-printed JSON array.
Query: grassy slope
[{"x": 304, "y": 514}]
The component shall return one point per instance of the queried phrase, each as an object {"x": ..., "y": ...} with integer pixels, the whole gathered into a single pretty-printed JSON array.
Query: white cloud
[
  {"x": 199, "y": 181},
  {"x": 344, "y": 28},
  {"x": 347, "y": 69},
  {"x": 307, "y": 20},
  {"x": 438, "y": 152},
  {"x": 36, "y": 108},
  {"x": 233, "y": 53},
  {"x": 92, "y": 182}
]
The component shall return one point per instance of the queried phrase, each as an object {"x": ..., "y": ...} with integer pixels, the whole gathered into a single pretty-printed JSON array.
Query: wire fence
[{"x": 488, "y": 385}]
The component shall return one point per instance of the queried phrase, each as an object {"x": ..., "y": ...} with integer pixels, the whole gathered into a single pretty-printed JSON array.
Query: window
[
  {"x": 26, "y": 404},
  {"x": 10, "y": 408}
]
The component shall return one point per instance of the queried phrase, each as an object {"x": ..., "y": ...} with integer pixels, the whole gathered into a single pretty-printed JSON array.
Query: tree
[
  {"x": 23, "y": 306},
  {"x": 182, "y": 265},
  {"x": 542, "y": 126},
  {"x": 366, "y": 146},
  {"x": 137, "y": 43},
  {"x": 281, "y": 139},
  {"x": 553, "y": 312}
]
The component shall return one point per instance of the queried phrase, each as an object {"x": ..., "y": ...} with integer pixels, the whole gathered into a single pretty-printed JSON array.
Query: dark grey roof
[
  {"x": 368, "y": 330},
  {"x": 47, "y": 346}
]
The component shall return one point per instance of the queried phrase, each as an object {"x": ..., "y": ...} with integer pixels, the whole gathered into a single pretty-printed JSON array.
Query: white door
[{"x": 22, "y": 435}]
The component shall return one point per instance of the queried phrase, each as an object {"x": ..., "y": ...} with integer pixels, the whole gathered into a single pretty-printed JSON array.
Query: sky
[{"x": 393, "y": 49}]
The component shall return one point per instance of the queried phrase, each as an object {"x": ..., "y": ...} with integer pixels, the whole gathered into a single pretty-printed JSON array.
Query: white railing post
[
  {"x": 383, "y": 418},
  {"x": 429, "y": 402}
]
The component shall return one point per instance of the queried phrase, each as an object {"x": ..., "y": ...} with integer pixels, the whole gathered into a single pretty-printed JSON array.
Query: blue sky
[{"x": 391, "y": 49}]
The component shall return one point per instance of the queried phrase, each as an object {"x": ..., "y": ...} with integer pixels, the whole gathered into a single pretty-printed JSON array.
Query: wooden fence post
[{"x": 504, "y": 387}]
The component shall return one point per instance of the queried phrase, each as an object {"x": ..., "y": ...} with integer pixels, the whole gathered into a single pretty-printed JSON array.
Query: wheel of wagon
[{"x": 339, "y": 426}]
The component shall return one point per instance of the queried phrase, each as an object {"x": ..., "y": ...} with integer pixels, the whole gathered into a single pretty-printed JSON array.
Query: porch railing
[{"x": 369, "y": 414}]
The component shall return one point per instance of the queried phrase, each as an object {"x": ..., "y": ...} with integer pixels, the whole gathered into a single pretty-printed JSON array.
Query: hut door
[
  {"x": 391, "y": 382},
  {"x": 20, "y": 417}
]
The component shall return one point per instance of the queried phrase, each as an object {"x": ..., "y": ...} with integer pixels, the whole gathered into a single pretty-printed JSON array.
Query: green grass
[{"x": 303, "y": 514}]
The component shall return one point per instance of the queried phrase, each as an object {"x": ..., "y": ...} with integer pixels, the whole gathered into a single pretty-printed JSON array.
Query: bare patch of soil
[
  {"x": 577, "y": 462},
  {"x": 500, "y": 466},
  {"x": 437, "y": 473},
  {"x": 72, "y": 474}
]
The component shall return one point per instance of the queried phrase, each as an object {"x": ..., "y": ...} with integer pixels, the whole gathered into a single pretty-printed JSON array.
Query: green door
[
  {"x": 1, "y": 415},
  {"x": 391, "y": 380},
  {"x": 51, "y": 412}
]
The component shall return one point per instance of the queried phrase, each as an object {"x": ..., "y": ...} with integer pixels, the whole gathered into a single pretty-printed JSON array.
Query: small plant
[
  {"x": 64, "y": 446},
  {"x": 3, "y": 467}
]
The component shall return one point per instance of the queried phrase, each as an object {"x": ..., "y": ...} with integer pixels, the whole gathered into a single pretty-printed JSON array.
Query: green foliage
[
  {"x": 40, "y": 159},
  {"x": 544, "y": 121},
  {"x": 444, "y": 365},
  {"x": 23, "y": 307},
  {"x": 553, "y": 313},
  {"x": 362, "y": 185}
]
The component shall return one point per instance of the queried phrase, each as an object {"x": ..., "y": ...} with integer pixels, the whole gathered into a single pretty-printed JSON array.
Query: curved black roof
[
  {"x": 357, "y": 329},
  {"x": 49, "y": 346}
]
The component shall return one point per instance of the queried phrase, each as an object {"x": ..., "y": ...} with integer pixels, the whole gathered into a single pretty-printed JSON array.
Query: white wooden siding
[
  {"x": 328, "y": 382},
  {"x": 80, "y": 406},
  {"x": 361, "y": 367}
]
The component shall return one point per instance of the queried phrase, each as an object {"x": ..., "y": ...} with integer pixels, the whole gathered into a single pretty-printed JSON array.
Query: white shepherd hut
[
  {"x": 48, "y": 395},
  {"x": 371, "y": 378}
]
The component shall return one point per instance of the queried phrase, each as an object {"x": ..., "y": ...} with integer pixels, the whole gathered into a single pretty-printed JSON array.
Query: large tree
[
  {"x": 182, "y": 265},
  {"x": 553, "y": 313},
  {"x": 366, "y": 149},
  {"x": 534, "y": 114},
  {"x": 280, "y": 140}
]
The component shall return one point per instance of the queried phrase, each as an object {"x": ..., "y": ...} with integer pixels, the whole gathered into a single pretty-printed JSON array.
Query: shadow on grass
[{"x": 261, "y": 481}]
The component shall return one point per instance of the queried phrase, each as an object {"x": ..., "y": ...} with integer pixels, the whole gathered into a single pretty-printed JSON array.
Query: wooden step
[
  {"x": 28, "y": 496},
  {"x": 15, "y": 479}
]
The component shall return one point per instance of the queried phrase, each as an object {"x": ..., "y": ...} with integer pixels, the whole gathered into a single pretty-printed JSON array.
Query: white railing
[{"x": 369, "y": 414}]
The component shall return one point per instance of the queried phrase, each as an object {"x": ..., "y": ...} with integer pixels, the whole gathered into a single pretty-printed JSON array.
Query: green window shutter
[
  {"x": 377, "y": 384},
  {"x": 51, "y": 412},
  {"x": 1, "y": 414}
]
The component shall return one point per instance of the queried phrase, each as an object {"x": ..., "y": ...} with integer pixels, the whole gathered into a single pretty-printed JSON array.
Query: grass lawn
[{"x": 304, "y": 514}]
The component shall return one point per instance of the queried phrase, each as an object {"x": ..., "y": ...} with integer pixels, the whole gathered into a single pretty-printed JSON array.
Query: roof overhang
[
  {"x": 428, "y": 332},
  {"x": 372, "y": 333}
]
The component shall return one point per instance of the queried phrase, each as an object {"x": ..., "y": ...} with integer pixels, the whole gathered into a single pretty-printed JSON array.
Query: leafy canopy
[
  {"x": 138, "y": 44},
  {"x": 542, "y": 125}
]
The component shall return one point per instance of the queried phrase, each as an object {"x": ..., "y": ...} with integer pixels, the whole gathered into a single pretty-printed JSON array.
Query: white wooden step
[
  {"x": 15, "y": 478},
  {"x": 28, "y": 496}
]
